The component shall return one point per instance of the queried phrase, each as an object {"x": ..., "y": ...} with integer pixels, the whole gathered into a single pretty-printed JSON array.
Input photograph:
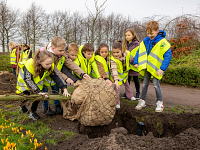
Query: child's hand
[
  {"x": 117, "y": 84},
  {"x": 136, "y": 65},
  {"x": 109, "y": 82},
  {"x": 66, "y": 93},
  {"x": 45, "y": 94},
  {"x": 101, "y": 79},
  {"x": 85, "y": 76},
  {"x": 159, "y": 72},
  {"x": 69, "y": 81}
]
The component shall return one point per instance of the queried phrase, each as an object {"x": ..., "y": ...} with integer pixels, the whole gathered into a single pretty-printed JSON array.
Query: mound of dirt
[{"x": 8, "y": 82}]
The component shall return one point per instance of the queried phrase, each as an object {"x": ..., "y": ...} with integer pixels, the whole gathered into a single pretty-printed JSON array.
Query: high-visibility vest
[
  {"x": 25, "y": 54},
  {"x": 85, "y": 64},
  {"x": 154, "y": 60},
  {"x": 132, "y": 55},
  {"x": 123, "y": 75},
  {"x": 48, "y": 81},
  {"x": 21, "y": 85},
  {"x": 103, "y": 62},
  {"x": 13, "y": 56}
]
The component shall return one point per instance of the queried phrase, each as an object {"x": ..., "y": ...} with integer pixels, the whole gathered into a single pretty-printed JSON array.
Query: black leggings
[
  {"x": 34, "y": 104},
  {"x": 136, "y": 81}
]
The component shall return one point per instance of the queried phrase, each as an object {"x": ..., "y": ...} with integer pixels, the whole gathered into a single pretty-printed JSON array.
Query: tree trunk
[{"x": 32, "y": 97}]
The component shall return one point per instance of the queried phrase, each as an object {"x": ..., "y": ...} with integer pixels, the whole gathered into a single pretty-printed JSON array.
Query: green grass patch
[
  {"x": 5, "y": 63},
  {"x": 31, "y": 135}
]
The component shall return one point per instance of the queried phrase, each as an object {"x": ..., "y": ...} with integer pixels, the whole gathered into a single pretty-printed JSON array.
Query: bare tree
[
  {"x": 8, "y": 20},
  {"x": 66, "y": 26},
  {"x": 98, "y": 11},
  {"x": 37, "y": 18}
]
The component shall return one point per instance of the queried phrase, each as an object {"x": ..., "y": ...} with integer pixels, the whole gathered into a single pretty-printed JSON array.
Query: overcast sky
[{"x": 136, "y": 9}]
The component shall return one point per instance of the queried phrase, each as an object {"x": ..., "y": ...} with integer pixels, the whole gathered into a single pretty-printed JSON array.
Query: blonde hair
[
  {"x": 88, "y": 47},
  {"x": 73, "y": 47},
  {"x": 58, "y": 42},
  {"x": 12, "y": 44},
  {"x": 152, "y": 26},
  {"x": 124, "y": 46},
  {"x": 39, "y": 57}
]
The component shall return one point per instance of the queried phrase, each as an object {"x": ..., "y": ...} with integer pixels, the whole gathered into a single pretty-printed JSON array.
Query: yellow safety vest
[
  {"x": 103, "y": 62},
  {"x": 85, "y": 64},
  {"x": 132, "y": 55},
  {"x": 48, "y": 81},
  {"x": 21, "y": 85},
  {"x": 154, "y": 60},
  {"x": 123, "y": 75},
  {"x": 25, "y": 54},
  {"x": 13, "y": 57}
]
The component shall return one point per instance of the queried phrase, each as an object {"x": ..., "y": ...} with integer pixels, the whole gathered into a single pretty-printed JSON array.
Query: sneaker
[
  {"x": 34, "y": 116},
  {"x": 23, "y": 109},
  {"x": 49, "y": 112},
  {"x": 160, "y": 106},
  {"x": 124, "y": 95},
  {"x": 133, "y": 98},
  {"x": 140, "y": 105},
  {"x": 59, "y": 110},
  {"x": 118, "y": 106},
  {"x": 137, "y": 95}
]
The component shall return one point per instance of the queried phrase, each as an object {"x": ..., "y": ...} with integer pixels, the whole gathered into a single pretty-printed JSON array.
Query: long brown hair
[
  {"x": 40, "y": 56},
  {"x": 125, "y": 41}
]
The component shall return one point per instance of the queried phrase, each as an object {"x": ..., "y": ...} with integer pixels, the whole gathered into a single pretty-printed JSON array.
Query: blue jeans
[
  {"x": 156, "y": 84},
  {"x": 55, "y": 90}
]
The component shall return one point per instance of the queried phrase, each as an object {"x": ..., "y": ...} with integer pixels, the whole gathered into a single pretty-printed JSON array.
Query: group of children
[{"x": 59, "y": 63}]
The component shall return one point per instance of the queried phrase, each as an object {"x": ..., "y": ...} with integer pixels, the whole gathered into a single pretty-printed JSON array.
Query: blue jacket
[{"x": 149, "y": 44}]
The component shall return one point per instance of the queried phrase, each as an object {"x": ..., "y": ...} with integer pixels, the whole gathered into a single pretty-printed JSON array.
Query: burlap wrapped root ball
[{"x": 98, "y": 102}]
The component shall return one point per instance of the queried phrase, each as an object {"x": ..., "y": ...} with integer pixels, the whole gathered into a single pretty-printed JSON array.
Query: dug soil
[{"x": 177, "y": 127}]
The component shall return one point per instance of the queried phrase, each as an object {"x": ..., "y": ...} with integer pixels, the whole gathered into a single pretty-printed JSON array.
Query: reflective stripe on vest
[
  {"x": 85, "y": 64},
  {"x": 132, "y": 55},
  {"x": 103, "y": 62},
  {"x": 123, "y": 75},
  {"x": 25, "y": 54},
  {"x": 154, "y": 60},
  {"x": 48, "y": 81},
  {"x": 21, "y": 85},
  {"x": 12, "y": 57}
]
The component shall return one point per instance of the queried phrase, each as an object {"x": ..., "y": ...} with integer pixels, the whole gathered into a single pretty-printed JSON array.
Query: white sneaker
[
  {"x": 133, "y": 98},
  {"x": 140, "y": 104},
  {"x": 160, "y": 106},
  {"x": 118, "y": 106}
]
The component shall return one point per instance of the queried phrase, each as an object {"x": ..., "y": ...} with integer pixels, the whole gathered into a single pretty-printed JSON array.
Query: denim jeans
[
  {"x": 55, "y": 90},
  {"x": 156, "y": 84}
]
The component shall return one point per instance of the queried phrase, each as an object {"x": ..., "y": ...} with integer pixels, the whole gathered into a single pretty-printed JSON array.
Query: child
[
  {"x": 26, "y": 49},
  {"x": 152, "y": 59},
  {"x": 122, "y": 60},
  {"x": 57, "y": 48},
  {"x": 103, "y": 61},
  {"x": 13, "y": 57},
  {"x": 31, "y": 76},
  {"x": 85, "y": 59},
  {"x": 131, "y": 43},
  {"x": 72, "y": 50}
]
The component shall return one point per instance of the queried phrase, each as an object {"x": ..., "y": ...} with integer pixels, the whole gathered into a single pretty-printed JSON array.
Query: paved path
[{"x": 172, "y": 95}]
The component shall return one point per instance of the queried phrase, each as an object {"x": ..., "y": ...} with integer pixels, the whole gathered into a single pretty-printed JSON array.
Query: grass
[
  {"x": 5, "y": 63},
  {"x": 28, "y": 135}
]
